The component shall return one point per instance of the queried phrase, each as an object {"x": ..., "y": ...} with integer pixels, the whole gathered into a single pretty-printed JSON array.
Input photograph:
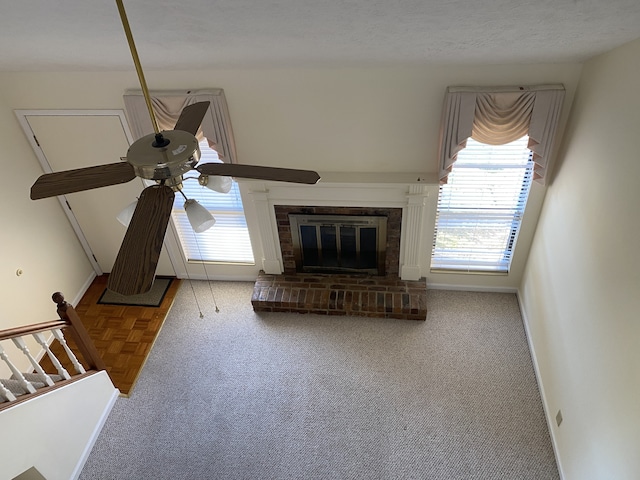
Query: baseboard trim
[
  {"x": 95, "y": 434},
  {"x": 470, "y": 288},
  {"x": 545, "y": 405},
  {"x": 221, "y": 278},
  {"x": 84, "y": 288}
]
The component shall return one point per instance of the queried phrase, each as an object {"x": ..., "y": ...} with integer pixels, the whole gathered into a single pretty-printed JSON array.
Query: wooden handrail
[
  {"x": 79, "y": 333},
  {"x": 29, "y": 329}
]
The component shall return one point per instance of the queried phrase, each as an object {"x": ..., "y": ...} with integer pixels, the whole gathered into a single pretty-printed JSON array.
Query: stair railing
[{"x": 26, "y": 384}]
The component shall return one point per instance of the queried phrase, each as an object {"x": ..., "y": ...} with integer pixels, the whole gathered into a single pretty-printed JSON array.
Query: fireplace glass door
[{"x": 339, "y": 243}]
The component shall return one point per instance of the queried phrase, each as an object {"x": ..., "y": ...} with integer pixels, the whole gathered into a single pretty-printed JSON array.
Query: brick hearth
[{"x": 337, "y": 294}]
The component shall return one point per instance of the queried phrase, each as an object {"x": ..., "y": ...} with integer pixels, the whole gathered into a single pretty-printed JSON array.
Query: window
[
  {"x": 494, "y": 141},
  {"x": 480, "y": 207},
  {"x": 228, "y": 240}
]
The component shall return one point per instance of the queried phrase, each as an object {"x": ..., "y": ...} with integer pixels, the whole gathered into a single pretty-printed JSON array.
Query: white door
[{"x": 67, "y": 141}]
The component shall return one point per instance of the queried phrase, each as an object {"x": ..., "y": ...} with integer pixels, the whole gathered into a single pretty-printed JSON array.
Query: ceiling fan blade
[
  {"x": 191, "y": 117},
  {"x": 259, "y": 172},
  {"x": 135, "y": 266},
  {"x": 69, "y": 181}
]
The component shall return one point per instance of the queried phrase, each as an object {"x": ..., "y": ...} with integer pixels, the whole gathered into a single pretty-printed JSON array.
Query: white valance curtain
[
  {"x": 216, "y": 126},
  {"x": 497, "y": 116}
]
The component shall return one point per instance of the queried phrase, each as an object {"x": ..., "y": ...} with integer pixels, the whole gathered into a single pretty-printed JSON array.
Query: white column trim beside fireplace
[
  {"x": 271, "y": 261},
  {"x": 411, "y": 192},
  {"x": 411, "y": 235}
]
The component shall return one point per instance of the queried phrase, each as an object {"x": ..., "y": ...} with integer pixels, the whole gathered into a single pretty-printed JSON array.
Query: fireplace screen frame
[{"x": 378, "y": 222}]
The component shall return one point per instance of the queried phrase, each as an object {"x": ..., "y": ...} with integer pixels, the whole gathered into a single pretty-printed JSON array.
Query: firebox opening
[{"x": 339, "y": 243}]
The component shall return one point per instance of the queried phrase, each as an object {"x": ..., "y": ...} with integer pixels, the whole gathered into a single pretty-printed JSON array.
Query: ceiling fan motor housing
[{"x": 175, "y": 158}]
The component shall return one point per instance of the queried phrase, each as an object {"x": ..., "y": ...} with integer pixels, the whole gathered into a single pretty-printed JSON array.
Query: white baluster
[
  {"x": 16, "y": 373},
  {"x": 56, "y": 363},
  {"x": 76, "y": 364},
  {"x": 20, "y": 343},
  {"x": 6, "y": 393}
]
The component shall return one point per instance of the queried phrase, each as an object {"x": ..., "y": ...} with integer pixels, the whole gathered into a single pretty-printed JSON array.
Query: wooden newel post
[{"x": 80, "y": 334}]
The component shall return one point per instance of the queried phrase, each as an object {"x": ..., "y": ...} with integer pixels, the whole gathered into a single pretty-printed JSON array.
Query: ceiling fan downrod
[
  {"x": 160, "y": 141},
  {"x": 136, "y": 62}
]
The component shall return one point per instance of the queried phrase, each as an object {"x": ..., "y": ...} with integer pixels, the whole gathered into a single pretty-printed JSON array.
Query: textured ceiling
[{"x": 72, "y": 34}]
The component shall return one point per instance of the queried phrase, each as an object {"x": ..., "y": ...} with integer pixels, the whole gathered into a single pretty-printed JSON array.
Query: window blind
[
  {"x": 228, "y": 240},
  {"x": 480, "y": 209}
]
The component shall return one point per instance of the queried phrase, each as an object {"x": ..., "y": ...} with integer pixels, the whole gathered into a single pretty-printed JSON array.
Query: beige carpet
[{"x": 240, "y": 395}]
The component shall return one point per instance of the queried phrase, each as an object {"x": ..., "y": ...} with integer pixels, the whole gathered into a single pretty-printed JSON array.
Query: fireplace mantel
[{"x": 414, "y": 193}]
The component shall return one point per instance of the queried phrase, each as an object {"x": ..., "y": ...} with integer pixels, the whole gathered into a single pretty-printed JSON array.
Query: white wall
[
  {"x": 56, "y": 431},
  {"x": 580, "y": 288}
]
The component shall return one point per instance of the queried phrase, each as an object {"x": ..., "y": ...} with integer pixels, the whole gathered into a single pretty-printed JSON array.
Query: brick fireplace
[
  {"x": 339, "y": 293},
  {"x": 399, "y": 293}
]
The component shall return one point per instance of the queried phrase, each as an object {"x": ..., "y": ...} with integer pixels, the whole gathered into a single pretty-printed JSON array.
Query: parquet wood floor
[{"x": 123, "y": 335}]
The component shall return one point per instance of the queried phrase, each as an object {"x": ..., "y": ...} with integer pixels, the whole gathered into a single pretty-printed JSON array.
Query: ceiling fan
[{"x": 163, "y": 156}]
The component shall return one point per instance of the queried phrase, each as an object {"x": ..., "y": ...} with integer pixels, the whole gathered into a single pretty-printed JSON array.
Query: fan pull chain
[
  {"x": 206, "y": 274},
  {"x": 195, "y": 297},
  {"x": 186, "y": 269},
  {"x": 203, "y": 266}
]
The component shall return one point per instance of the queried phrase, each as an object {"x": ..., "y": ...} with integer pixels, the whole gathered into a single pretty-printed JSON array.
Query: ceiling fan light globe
[
  {"x": 220, "y": 184},
  {"x": 125, "y": 216},
  {"x": 199, "y": 217}
]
